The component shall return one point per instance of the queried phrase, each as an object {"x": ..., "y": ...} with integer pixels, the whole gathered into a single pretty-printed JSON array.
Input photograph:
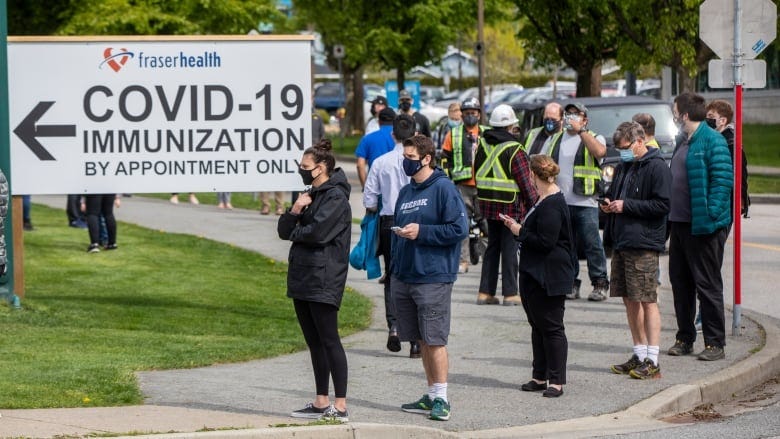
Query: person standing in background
[{"x": 97, "y": 205}]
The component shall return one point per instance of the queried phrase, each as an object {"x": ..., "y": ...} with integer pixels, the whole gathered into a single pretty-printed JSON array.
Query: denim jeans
[{"x": 585, "y": 221}]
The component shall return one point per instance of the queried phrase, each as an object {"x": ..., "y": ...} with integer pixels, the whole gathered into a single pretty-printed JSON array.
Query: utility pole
[{"x": 479, "y": 48}]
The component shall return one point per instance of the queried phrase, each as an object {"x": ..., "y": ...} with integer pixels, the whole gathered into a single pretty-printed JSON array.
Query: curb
[{"x": 643, "y": 416}]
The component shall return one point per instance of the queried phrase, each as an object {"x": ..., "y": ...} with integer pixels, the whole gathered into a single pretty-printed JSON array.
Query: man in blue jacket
[
  {"x": 430, "y": 221},
  {"x": 700, "y": 216},
  {"x": 637, "y": 204}
]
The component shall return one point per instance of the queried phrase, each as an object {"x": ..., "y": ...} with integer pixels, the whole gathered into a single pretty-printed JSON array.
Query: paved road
[{"x": 489, "y": 350}]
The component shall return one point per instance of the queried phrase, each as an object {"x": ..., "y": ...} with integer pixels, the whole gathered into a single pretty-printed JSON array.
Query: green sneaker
[
  {"x": 422, "y": 405},
  {"x": 440, "y": 410}
]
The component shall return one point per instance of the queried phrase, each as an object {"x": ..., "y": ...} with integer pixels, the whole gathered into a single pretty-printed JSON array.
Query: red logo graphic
[{"x": 115, "y": 61}]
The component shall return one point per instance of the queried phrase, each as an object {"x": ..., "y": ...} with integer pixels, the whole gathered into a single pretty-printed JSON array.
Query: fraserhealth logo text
[{"x": 144, "y": 60}]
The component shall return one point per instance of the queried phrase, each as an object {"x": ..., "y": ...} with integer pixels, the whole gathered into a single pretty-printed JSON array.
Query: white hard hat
[{"x": 503, "y": 116}]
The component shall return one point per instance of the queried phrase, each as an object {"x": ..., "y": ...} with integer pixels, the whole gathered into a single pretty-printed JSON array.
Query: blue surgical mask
[
  {"x": 412, "y": 167},
  {"x": 627, "y": 155},
  {"x": 453, "y": 123}
]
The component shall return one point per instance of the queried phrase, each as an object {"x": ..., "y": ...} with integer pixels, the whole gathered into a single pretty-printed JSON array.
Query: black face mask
[
  {"x": 470, "y": 120},
  {"x": 405, "y": 105},
  {"x": 552, "y": 126},
  {"x": 306, "y": 176},
  {"x": 712, "y": 123}
]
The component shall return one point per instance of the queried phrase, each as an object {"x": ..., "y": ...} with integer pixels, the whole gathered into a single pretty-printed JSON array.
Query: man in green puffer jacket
[{"x": 700, "y": 220}]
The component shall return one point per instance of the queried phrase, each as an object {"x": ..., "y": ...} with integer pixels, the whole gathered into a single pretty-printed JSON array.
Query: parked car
[
  {"x": 430, "y": 94},
  {"x": 328, "y": 96}
]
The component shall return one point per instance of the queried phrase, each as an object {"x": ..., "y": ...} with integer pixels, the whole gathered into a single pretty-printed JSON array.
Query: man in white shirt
[
  {"x": 577, "y": 151},
  {"x": 385, "y": 179}
]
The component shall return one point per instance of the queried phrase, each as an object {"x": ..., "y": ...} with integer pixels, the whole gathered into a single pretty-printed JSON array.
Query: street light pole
[{"x": 480, "y": 49}]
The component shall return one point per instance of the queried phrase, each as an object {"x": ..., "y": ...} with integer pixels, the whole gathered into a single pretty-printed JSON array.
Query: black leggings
[
  {"x": 319, "y": 323},
  {"x": 101, "y": 204}
]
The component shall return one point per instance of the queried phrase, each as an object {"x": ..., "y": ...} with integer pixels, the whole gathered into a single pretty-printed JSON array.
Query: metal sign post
[
  {"x": 754, "y": 25},
  {"x": 7, "y": 280}
]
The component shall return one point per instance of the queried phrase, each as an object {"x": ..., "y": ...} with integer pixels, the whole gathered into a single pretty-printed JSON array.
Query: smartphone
[
  {"x": 395, "y": 229},
  {"x": 504, "y": 217},
  {"x": 602, "y": 201}
]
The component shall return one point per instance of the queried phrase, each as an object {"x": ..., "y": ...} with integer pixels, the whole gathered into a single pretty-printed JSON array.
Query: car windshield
[{"x": 604, "y": 120}]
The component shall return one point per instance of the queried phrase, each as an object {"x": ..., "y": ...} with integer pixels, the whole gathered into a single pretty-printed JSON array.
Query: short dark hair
[
  {"x": 628, "y": 132},
  {"x": 321, "y": 152},
  {"x": 403, "y": 127},
  {"x": 424, "y": 146},
  {"x": 691, "y": 104},
  {"x": 647, "y": 121}
]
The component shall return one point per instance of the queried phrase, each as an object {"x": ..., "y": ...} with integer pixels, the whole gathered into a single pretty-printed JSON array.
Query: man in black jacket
[{"x": 637, "y": 205}]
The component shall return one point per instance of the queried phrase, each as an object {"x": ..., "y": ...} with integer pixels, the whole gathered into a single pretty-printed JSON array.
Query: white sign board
[
  {"x": 758, "y": 26},
  {"x": 135, "y": 115},
  {"x": 721, "y": 73}
]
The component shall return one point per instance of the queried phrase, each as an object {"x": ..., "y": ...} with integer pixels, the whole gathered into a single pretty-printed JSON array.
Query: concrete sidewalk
[{"x": 489, "y": 359}]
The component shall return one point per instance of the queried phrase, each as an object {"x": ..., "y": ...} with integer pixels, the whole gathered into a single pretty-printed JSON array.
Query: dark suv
[{"x": 604, "y": 115}]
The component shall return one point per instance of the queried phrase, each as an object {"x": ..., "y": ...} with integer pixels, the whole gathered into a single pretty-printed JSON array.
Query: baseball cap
[
  {"x": 380, "y": 100},
  {"x": 581, "y": 108},
  {"x": 404, "y": 95},
  {"x": 386, "y": 116}
]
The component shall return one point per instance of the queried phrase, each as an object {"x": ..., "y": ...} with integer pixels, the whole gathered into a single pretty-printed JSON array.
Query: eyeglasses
[{"x": 629, "y": 146}]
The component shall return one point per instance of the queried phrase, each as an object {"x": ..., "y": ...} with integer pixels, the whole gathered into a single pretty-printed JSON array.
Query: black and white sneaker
[
  {"x": 336, "y": 415},
  {"x": 93, "y": 248},
  {"x": 310, "y": 412}
]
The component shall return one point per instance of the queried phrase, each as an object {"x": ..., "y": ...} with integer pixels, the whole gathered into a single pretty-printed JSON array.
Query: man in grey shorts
[
  {"x": 430, "y": 222},
  {"x": 637, "y": 204}
]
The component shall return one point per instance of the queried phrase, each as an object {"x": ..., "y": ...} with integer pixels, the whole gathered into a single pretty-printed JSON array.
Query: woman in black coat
[
  {"x": 319, "y": 224},
  {"x": 546, "y": 276}
]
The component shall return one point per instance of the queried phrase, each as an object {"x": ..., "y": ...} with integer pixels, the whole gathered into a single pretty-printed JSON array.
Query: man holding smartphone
[{"x": 637, "y": 204}]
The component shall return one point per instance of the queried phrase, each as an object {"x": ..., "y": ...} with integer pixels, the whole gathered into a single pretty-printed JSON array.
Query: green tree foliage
[
  {"x": 663, "y": 32},
  {"x": 581, "y": 33},
  {"x": 139, "y": 17}
]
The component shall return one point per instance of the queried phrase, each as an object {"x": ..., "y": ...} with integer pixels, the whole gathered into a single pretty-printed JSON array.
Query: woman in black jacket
[
  {"x": 319, "y": 224},
  {"x": 546, "y": 276}
]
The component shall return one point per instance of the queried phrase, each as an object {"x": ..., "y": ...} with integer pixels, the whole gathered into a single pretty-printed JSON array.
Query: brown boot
[{"x": 487, "y": 299}]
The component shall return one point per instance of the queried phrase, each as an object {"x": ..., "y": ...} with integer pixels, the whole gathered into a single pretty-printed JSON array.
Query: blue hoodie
[{"x": 436, "y": 205}]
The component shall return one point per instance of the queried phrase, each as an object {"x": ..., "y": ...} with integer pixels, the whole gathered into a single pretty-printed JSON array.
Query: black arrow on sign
[{"x": 28, "y": 131}]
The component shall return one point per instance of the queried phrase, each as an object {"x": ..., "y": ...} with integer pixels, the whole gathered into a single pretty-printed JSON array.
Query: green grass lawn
[
  {"x": 764, "y": 184},
  {"x": 762, "y": 144},
  {"x": 161, "y": 301}
]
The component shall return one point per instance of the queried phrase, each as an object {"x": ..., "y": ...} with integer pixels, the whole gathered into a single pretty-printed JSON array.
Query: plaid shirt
[{"x": 526, "y": 196}]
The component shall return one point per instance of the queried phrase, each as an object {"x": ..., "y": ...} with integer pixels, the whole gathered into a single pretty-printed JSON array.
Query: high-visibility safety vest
[
  {"x": 531, "y": 138},
  {"x": 494, "y": 177},
  {"x": 587, "y": 173},
  {"x": 461, "y": 155}
]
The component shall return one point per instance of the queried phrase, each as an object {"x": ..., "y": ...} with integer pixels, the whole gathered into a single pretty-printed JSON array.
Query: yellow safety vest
[
  {"x": 494, "y": 177},
  {"x": 461, "y": 169},
  {"x": 587, "y": 173}
]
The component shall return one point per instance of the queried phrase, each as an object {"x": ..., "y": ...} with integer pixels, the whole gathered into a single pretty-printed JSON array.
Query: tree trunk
[
  {"x": 583, "y": 81},
  {"x": 400, "y": 76},
  {"x": 355, "y": 112},
  {"x": 595, "y": 80},
  {"x": 686, "y": 82}
]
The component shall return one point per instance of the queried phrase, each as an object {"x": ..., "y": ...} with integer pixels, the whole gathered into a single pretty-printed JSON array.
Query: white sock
[
  {"x": 640, "y": 351},
  {"x": 440, "y": 391},
  {"x": 652, "y": 354},
  {"x": 432, "y": 392}
]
